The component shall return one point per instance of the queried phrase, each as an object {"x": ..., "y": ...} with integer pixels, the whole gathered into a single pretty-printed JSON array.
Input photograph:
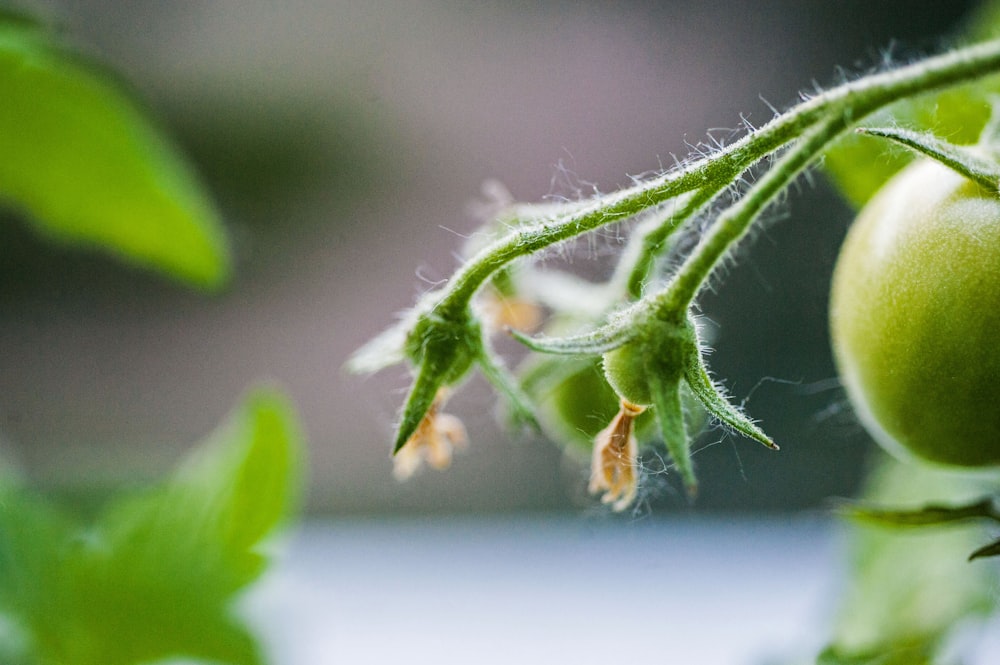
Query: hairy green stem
[
  {"x": 859, "y": 100},
  {"x": 712, "y": 173},
  {"x": 653, "y": 242},
  {"x": 734, "y": 223}
]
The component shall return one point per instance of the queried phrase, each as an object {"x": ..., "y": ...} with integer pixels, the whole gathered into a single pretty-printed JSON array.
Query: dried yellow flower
[
  {"x": 615, "y": 460},
  {"x": 433, "y": 442}
]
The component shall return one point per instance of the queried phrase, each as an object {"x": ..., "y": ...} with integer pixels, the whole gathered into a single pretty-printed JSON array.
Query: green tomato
[
  {"x": 577, "y": 404},
  {"x": 573, "y": 400},
  {"x": 915, "y": 317},
  {"x": 625, "y": 369},
  {"x": 662, "y": 348}
]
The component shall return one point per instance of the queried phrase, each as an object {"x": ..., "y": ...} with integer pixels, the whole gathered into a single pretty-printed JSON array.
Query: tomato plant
[
  {"x": 921, "y": 288},
  {"x": 914, "y": 316},
  {"x": 641, "y": 321}
]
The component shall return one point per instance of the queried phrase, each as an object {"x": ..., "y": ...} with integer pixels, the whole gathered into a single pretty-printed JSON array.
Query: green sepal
[
  {"x": 717, "y": 404},
  {"x": 600, "y": 340},
  {"x": 521, "y": 411},
  {"x": 386, "y": 349},
  {"x": 442, "y": 350},
  {"x": 859, "y": 167},
  {"x": 965, "y": 161},
  {"x": 665, "y": 390},
  {"x": 421, "y": 397},
  {"x": 442, "y": 347}
]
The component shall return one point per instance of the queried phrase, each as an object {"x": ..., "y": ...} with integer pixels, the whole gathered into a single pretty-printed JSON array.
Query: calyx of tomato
[
  {"x": 651, "y": 369},
  {"x": 978, "y": 163}
]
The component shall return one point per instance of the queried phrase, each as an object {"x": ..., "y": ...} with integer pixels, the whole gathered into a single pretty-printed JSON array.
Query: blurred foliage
[
  {"x": 909, "y": 589},
  {"x": 155, "y": 573},
  {"x": 81, "y": 158}
]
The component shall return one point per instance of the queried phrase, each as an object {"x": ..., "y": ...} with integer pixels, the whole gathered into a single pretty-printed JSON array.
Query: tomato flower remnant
[
  {"x": 506, "y": 311},
  {"x": 616, "y": 458},
  {"x": 434, "y": 441}
]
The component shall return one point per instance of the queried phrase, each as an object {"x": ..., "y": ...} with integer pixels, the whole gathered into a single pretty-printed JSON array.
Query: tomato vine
[{"x": 446, "y": 334}]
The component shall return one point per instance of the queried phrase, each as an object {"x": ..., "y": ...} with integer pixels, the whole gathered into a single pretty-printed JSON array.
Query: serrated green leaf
[
  {"x": 85, "y": 163},
  {"x": 243, "y": 482},
  {"x": 210, "y": 521}
]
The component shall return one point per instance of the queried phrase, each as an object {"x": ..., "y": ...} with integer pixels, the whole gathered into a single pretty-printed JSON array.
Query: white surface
[{"x": 548, "y": 591}]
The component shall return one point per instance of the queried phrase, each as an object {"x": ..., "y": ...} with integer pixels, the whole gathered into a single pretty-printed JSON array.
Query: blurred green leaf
[
  {"x": 156, "y": 574},
  {"x": 32, "y": 538},
  {"x": 916, "y": 654},
  {"x": 84, "y": 161},
  {"x": 992, "y": 549},
  {"x": 241, "y": 483},
  {"x": 925, "y": 516},
  {"x": 908, "y": 589}
]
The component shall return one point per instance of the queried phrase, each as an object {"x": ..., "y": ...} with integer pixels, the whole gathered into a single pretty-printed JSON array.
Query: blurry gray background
[{"x": 344, "y": 142}]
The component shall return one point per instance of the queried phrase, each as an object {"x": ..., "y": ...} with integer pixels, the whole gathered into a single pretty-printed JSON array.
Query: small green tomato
[
  {"x": 625, "y": 370},
  {"x": 662, "y": 348},
  {"x": 574, "y": 402},
  {"x": 915, "y": 317}
]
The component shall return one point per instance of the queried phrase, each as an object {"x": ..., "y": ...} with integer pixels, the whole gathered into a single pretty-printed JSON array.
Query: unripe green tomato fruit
[
  {"x": 625, "y": 370},
  {"x": 580, "y": 405},
  {"x": 915, "y": 317}
]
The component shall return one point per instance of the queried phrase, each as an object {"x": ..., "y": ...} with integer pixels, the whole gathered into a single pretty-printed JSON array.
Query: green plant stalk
[
  {"x": 713, "y": 173},
  {"x": 731, "y": 225},
  {"x": 442, "y": 338},
  {"x": 653, "y": 243},
  {"x": 734, "y": 223},
  {"x": 843, "y": 106}
]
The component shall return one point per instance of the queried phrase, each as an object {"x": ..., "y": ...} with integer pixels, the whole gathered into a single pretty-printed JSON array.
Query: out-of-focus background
[{"x": 344, "y": 142}]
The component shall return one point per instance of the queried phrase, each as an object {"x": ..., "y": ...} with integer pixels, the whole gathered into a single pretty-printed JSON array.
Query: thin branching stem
[
  {"x": 654, "y": 242},
  {"x": 859, "y": 100},
  {"x": 737, "y": 219},
  {"x": 851, "y": 101}
]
